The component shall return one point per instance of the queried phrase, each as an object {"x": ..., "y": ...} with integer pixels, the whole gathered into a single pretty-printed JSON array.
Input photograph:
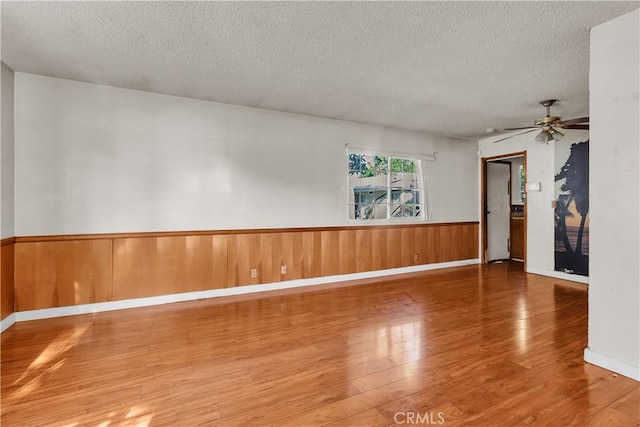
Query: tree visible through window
[{"x": 384, "y": 187}]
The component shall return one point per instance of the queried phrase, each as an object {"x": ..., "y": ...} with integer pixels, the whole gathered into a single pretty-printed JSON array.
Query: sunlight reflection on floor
[{"x": 37, "y": 368}]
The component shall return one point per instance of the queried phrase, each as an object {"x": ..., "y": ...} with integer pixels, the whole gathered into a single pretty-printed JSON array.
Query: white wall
[
  {"x": 614, "y": 246},
  {"x": 539, "y": 168},
  {"x": 7, "y": 155},
  {"x": 455, "y": 181},
  {"x": 94, "y": 159}
]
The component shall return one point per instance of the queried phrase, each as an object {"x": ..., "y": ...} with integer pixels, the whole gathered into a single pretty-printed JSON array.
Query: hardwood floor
[{"x": 478, "y": 345}]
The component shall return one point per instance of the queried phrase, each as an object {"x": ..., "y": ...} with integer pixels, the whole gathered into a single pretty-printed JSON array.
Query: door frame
[{"x": 483, "y": 203}]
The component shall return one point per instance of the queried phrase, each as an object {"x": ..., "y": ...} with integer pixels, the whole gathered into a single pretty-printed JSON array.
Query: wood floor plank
[
  {"x": 629, "y": 405},
  {"x": 370, "y": 417},
  {"x": 476, "y": 345},
  {"x": 610, "y": 417}
]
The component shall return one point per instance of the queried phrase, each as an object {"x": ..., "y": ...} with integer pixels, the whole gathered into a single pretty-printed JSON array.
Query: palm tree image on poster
[{"x": 571, "y": 212}]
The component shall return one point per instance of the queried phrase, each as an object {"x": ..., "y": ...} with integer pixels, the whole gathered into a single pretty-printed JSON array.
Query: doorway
[{"x": 504, "y": 208}]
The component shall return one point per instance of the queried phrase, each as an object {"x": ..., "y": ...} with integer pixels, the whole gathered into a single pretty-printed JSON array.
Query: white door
[{"x": 498, "y": 210}]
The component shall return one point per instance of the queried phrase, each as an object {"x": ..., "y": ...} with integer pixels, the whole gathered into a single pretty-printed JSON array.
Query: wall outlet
[
  {"x": 415, "y": 257},
  {"x": 254, "y": 273},
  {"x": 283, "y": 269}
]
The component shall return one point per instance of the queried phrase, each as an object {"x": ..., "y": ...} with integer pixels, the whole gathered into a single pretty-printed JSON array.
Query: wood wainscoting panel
[
  {"x": 69, "y": 270},
  {"x": 394, "y": 242},
  {"x": 434, "y": 256},
  {"x": 364, "y": 250},
  {"x": 456, "y": 242},
  {"x": 206, "y": 263},
  {"x": 7, "y": 296},
  {"x": 62, "y": 273},
  {"x": 270, "y": 258},
  {"x": 470, "y": 238},
  {"x": 242, "y": 256},
  {"x": 261, "y": 252},
  {"x": 292, "y": 256},
  {"x": 379, "y": 249},
  {"x": 407, "y": 246},
  {"x": 152, "y": 266},
  {"x": 426, "y": 245},
  {"x": 297, "y": 255},
  {"x": 326, "y": 260},
  {"x": 308, "y": 243},
  {"x": 448, "y": 242},
  {"x": 348, "y": 244}
]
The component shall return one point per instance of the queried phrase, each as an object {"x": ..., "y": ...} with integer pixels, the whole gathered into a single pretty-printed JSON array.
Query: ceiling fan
[{"x": 549, "y": 125}]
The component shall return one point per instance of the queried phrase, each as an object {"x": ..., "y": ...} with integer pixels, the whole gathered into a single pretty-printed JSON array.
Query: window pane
[
  {"x": 404, "y": 165},
  {"x": 400, "y": 211},
  {"x": 414, "y": 209},
  {"x": 396, "y": 180},
  {"x": 409, "y": 166},
  {"x": 367, "y": 211},
  {"x": 365, "y": 165},
  {"x": 381, "y": 181},
  {"x": 380, "y": 165},
  {"x": 416, "y": 197},
  {"x": 410, "y": 181},
  {"x": 396, "y": 165},
  {"x": 407, "y": 197},
  {"x": 368, "y": 166},
  {"x": 355, "y": 162},
  {"x": 380, "y": 196},
  {"x": 380, "y": 211},
  {"x": 405, "y": 210},
  {"x": 402, "y": 181}
]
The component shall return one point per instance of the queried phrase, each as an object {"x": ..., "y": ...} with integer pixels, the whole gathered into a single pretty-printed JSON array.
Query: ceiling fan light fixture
[
  {"x": 543, "y": 136},
  {"x": 557, "y": 135}
]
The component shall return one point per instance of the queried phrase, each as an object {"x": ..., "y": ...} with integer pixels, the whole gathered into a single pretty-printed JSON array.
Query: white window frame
[{"x": 424, "y": 167}]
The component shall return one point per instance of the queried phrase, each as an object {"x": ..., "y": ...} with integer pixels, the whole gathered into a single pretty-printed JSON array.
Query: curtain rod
[{"x": 390, "y": 153}]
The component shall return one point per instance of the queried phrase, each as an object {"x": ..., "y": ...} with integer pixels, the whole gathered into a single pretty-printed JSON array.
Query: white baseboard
[
  {"x": 611, "y": 364},
  {"x": 559, "y": 275},
  {"x": 7, "y": 321},
  {"x": 48, "y": 313}
]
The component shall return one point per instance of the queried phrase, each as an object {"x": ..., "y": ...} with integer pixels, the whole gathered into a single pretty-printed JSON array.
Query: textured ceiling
[{"x": 452, "y": 68}]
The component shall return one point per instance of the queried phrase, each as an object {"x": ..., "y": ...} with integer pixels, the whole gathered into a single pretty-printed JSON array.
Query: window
[{"x": 385, "y": 187}]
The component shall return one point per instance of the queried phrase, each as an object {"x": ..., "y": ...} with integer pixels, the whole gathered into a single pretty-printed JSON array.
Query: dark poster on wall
[{"x": 572, "y": 208}]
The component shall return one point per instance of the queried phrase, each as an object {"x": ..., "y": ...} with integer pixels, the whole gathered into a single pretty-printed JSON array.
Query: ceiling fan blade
[
  {"x": 517, "y": 134},
  {"x": 582, "y": 127},
  {"x": 580, "y": 120},
  {"x": 527, "y": 127}
]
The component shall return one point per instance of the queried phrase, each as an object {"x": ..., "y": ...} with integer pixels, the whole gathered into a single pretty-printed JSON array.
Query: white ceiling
[{"x": 452, "y": 68}]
